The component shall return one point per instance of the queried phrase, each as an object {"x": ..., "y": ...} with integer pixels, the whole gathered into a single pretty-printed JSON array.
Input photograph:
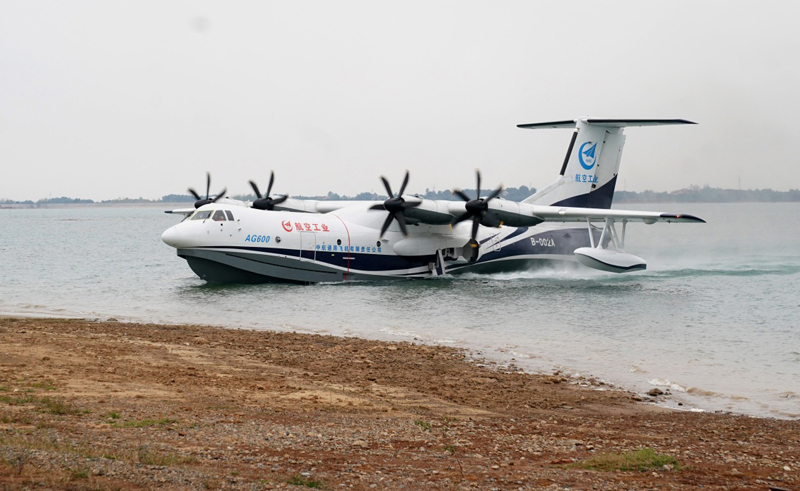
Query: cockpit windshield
[
  {"x": 201, "y": 215},
  {"x": 216, "y": 215}
]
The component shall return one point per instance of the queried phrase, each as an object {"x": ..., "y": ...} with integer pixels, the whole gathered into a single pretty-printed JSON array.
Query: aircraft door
[{"x": 308, "y": 246}]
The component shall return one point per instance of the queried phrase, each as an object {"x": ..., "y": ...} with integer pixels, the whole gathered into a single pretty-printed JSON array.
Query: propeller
[
  {"x": 267, "y": 202},
  {"x": 208, "y": 199},
  {"x": 478, "y": 210},
  {"x": 395, "y": 206}
]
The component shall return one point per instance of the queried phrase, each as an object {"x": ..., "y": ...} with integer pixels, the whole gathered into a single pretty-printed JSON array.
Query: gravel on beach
[{"x": 110, "y": 405}]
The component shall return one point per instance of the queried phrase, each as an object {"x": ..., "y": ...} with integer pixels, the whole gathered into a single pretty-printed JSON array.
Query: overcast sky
[{"x": 125, "y": 99}]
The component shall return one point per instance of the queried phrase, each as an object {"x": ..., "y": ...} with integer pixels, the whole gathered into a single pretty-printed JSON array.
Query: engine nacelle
[{"x": 607, "y": 260}]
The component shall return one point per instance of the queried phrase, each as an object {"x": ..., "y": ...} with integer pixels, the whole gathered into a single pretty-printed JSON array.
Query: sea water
[{"x": 714, "y": 318}]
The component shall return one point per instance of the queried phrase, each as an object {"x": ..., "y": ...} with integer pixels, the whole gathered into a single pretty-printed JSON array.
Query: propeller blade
[
  {"x": 387, "y": 186},
  {"x": 386, "y": 224},
  {"x": 401, "y": 220},
  {"x": 377, "y": 207},
  {"x": 255, "y": 189},
  {"x": 475, "y": 224},
  {"x": 194, "y": 193},
  {"x": 495, "y": 193},
  {"x": 220, "y": 195},
  {"x": 411, "y": 205},
  {"x": 478, "y": 174},
  {"x": 403, "y": 187},
  {"x": 459, "y": 219},
  {"x": 280, "y": 200},
  {"x": 271, "y": 180},
  {"x": 208, "y": 185},
  {"x": 461, "y": 194}
]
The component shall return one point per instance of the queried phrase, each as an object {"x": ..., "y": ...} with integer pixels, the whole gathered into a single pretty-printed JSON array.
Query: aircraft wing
[
  {"x": 568, "y": 214},
  {"x": 514, "y": 214},
  {"x": 182, "y": 211},
  {"x": 511, "y": 213}
]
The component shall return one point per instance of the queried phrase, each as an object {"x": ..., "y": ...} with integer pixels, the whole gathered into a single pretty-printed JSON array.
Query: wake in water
[{"x": 563, "y": 270}]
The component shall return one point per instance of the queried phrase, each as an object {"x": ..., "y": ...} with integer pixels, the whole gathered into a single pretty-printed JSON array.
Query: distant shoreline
[
  {"x": 172, "y": 206},
  {"x": 166, "y": 206},
  {"x": 692, "y": 194}
]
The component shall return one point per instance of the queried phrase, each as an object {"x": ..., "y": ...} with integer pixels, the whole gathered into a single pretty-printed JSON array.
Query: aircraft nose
[{"x": 170, "y": 236}]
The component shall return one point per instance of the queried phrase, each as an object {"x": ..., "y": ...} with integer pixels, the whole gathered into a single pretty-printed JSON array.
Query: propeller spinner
[
  {"x": 208, "y": 199},
  {"x": 267, "y": 202},
  {"x": 395, "y": 206}
]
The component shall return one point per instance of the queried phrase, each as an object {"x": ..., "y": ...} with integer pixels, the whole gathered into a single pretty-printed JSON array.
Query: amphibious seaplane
[{"x": 283, "y": 239}]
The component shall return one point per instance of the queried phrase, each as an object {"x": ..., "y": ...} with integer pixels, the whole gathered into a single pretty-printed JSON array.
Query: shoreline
[
  {"x": 93, "y": 404},
  {"x": 665, "y": 398}
]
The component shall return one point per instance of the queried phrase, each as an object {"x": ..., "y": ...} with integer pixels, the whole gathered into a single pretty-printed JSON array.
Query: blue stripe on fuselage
[{"x": 358, "y": 261}]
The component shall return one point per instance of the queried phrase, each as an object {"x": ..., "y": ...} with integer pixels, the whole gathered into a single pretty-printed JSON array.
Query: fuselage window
[
  {"x": 230, "y": 215},
  {"x": 219, "y": 216},
  {"x": 202, "y": 215}
]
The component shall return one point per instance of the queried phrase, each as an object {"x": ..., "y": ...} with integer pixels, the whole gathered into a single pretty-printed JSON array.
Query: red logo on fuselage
[{"x": 287, "y": 225}]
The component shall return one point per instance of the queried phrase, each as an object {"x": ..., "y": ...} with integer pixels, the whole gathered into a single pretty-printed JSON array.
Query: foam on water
[{"x": 714, "y": 315}]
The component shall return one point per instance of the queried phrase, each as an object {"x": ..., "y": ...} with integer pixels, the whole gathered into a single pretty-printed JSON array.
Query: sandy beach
[{"x": 109, "y": 405}]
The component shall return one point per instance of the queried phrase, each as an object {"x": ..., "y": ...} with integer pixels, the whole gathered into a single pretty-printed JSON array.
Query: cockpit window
[
  {"x": 202, "y": 215},
  {"x": 230, "y": 215},
  {"x": 219, "y": 216}
]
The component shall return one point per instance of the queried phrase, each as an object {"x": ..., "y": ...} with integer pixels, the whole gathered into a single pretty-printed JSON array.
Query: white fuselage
[{"x": 230, "y": 242}]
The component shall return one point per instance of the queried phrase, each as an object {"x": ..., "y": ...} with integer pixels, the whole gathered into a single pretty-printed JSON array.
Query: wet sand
[{"x": 108, "y": 405}]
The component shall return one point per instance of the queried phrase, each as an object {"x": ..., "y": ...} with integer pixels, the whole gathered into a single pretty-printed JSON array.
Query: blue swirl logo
[{"x": 586, "y": 155}]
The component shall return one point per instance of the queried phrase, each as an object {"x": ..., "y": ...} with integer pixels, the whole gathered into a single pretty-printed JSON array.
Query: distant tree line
[
  {"x": 692, "y": 194},
  {"x": 707, "y": 194}
]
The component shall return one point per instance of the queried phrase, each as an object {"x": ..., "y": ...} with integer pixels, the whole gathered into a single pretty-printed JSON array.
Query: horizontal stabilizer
[
  {"x": 606, "y": 123},
  {"x": 570, "y": 123}
]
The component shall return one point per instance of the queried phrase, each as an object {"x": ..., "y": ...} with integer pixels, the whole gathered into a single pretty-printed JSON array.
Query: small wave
[
  {"x": 523, "y": 356},
  {"x": 417, "y": 336},
  {"x": 399, "y": 332},
  {"x": 702, "y": 392},
  {"x": 660, "y": 382}
]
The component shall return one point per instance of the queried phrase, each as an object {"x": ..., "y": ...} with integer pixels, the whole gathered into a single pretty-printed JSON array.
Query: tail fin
[{"x": 589, "y": 172}]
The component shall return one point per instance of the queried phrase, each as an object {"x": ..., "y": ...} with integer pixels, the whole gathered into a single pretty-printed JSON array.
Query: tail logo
[{"x": 586, "y": 155}]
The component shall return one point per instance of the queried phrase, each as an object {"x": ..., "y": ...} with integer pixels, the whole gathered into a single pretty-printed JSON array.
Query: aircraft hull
[{"x": 506, "y": 249}]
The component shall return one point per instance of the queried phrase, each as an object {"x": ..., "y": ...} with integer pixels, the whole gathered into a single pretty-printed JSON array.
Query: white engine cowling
[{"x": 607, "y": 260}]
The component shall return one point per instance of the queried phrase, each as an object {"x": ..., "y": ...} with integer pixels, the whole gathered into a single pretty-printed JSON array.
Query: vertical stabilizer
[{"x": 588, "y": 174}]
